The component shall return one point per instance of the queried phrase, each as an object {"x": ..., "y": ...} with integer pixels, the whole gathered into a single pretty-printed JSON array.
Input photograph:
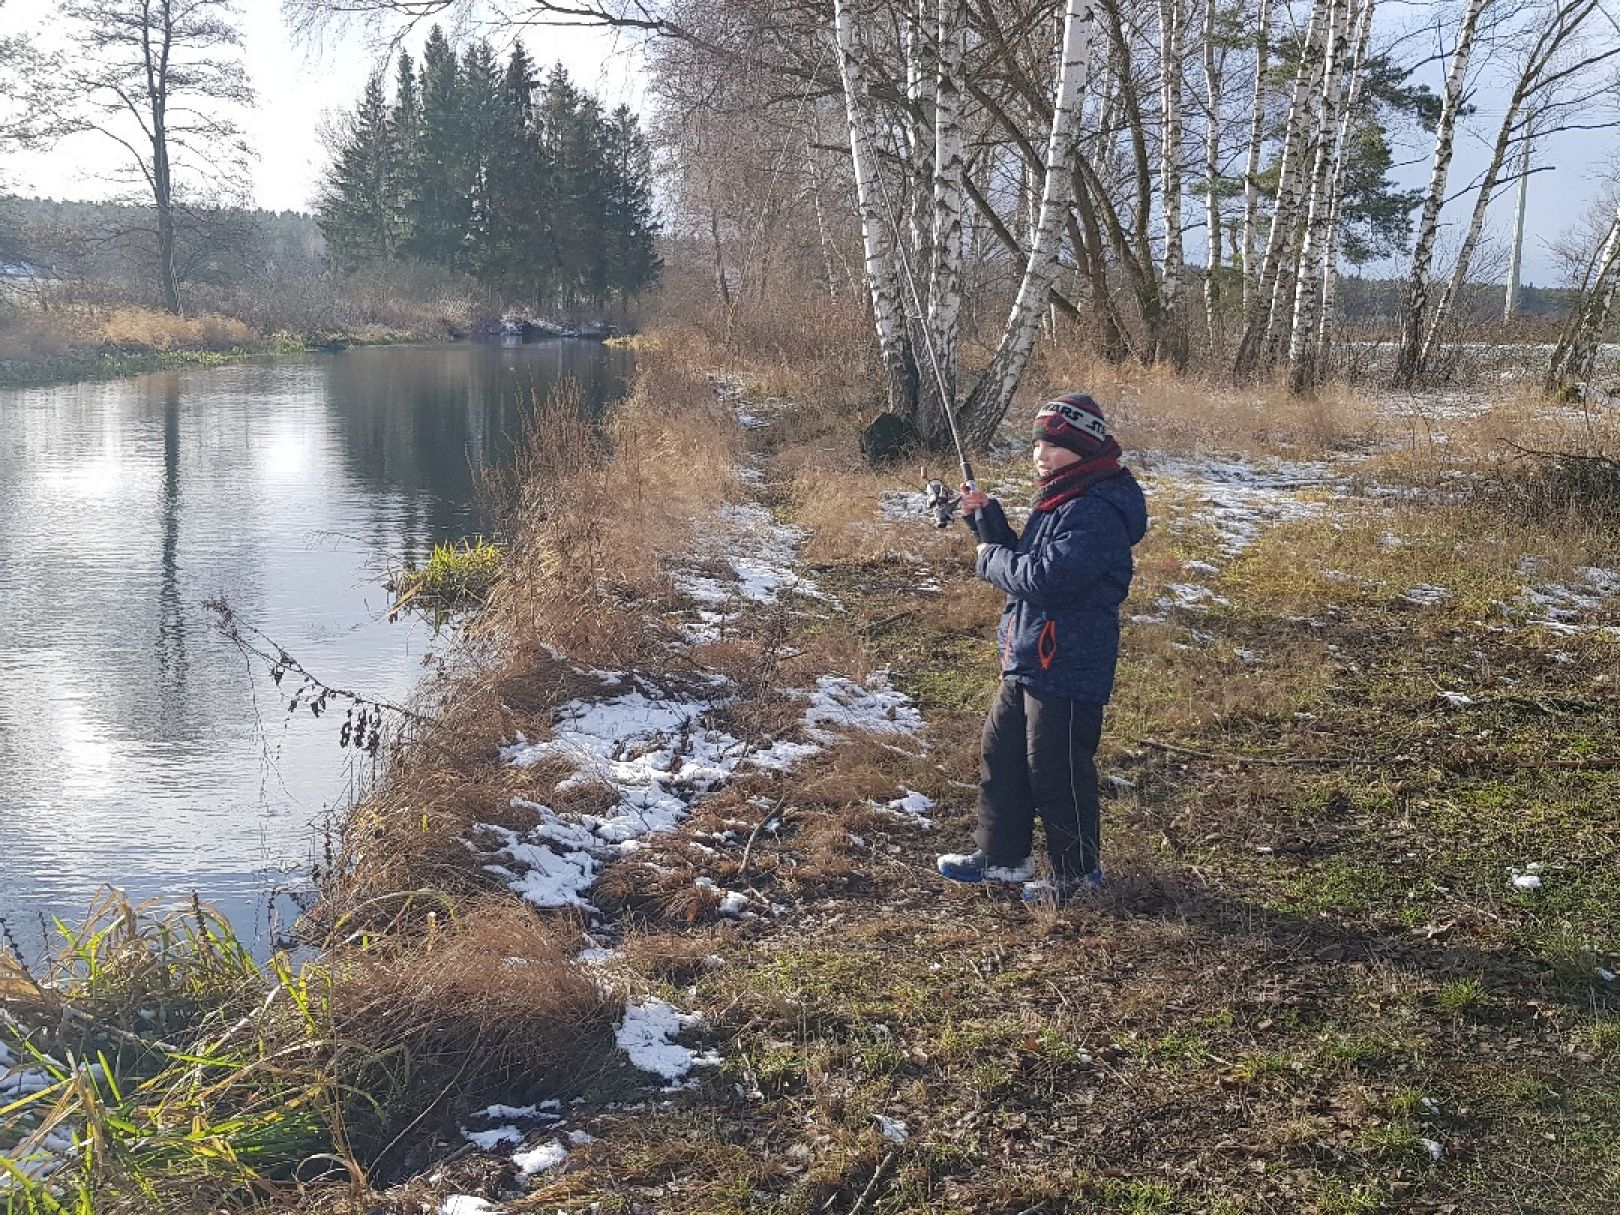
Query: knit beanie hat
[{"x": 1075, "y": 421}]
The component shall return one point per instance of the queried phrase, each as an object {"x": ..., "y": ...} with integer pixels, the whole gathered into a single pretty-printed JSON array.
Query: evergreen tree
[
  {"x": 404, "y": 153},
  {"x": 633, "y": 261},
  {"x": 481, "y": 104},
  {"x": 443, "y": 204},
  {"x": 356, "y": 211},
  {"x": 519, "y": 201},
  {"x": 474, "y": 166}
]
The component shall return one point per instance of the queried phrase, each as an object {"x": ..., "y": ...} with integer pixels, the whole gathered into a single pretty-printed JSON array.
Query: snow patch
[
  {"x": 1427, "y": 594},
  {"x": 647, "y": 1034},
  {"x": 840, "y": 705},
  {"x": 466, "y": 1204},
  {"x": 537, "y": 1160},
  {"x": 488, "y": 1141},
  {"x": 1238, "y": 499},
  {"x": 894, "y": 1130}
]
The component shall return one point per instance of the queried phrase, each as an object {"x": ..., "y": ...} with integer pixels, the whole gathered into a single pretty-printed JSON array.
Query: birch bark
[
  {"x": 1415, "y": 307},
  {"x": 1575, "y": 357},
  {"x": 1212, "y": 172},
  {"x": 1251, "y": 164},
  {"x": 876, "y": 232},
  {"x": 1319, "y": 210},
  {"x": 993, "y": 394},
  {"x": 1170, "y": 98},
  {"x": 1285, "y": 208},
  {"x": 1534, "y": 81},
  {"x": 945, "y": 282},
  {"x": 1330, "y": 260}
]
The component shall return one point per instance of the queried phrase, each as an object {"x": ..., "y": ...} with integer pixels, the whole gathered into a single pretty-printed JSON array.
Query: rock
[{"x": 887, "y": 439}]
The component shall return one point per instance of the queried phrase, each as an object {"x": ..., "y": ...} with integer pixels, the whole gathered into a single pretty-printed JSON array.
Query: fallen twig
[
  {"x": 748, "y": 851},
  {"x": 871, "y": 1187}
]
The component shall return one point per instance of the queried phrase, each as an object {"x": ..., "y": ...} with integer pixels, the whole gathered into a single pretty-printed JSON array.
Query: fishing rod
[{"x": 940, "y": 499}]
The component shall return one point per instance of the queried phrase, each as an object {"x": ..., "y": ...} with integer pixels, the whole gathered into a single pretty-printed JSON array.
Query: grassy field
[
  {"x": 1313, "y": 984},
  {"x": 1361, "y": 836}
]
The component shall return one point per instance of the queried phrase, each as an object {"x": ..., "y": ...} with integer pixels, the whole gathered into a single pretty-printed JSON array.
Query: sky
[{"x": 300, "y": 86}]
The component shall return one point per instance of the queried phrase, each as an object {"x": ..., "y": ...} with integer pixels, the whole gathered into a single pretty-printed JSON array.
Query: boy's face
[{"x": 1049, "y": 457}]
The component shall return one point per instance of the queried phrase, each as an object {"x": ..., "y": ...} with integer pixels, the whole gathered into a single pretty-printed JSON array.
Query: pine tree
[
  {"x": 530, "y": 190},
  {"x": 632, "y": 259},
  {"x": 481, "y": 103},
  {"x": 356, "y": 209},
  {"x": 517, "y": 186},
  {"x": 404, "y": 153},
  {"x": 443, "y": 199}
]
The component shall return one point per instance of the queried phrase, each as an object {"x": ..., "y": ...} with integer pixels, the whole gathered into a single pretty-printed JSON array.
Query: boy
[{"x": 1064, "y": 580}]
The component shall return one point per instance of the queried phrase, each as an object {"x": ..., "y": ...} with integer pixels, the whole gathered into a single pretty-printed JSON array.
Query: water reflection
[{"x": 135, "y": 748}]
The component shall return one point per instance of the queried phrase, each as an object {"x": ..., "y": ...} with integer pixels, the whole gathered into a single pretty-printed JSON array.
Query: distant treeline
[
  {"x": 1380, "y": 298},
  {"x": 111, "y": 243},
  {"x": 528, "y": 187}
]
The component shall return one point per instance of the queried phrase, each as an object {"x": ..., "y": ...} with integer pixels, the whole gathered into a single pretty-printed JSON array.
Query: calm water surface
[{"x": 137, "y": 748}]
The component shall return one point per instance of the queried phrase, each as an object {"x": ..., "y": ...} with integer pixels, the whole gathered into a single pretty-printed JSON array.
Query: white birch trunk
[
  {"x": 1330, "y": 260},
  {"x": 1251, "y": 164},
  {"x": 1308, "y": 281},
  {"x": 993, "y": 394},
  {"x": 1170, "y": 19},
  {"x": 945, "y": 283},
  {"x": 1286, "y": 205},
  {"x": 919, "y": 129},
  {"x": 1575, "y": 357},
  {"x": 1534, "y": 78},
  {"x": 1212, "y": 172},
  {"x": 1415, "y": 309},
  {"x": 823, "y": 233},
  {"x": 887, "y": 312}
]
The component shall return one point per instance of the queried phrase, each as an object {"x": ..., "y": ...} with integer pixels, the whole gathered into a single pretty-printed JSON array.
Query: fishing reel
[{"x": 942, "y": 502}]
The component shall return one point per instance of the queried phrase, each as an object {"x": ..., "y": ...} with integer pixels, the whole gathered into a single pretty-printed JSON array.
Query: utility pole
[{"x": 1511, "y": 304}]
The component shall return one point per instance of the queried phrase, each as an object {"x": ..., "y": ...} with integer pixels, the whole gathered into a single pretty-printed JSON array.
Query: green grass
[
  {"x": 177, "y": 1067},
  {"x": 455, "y": 578}
]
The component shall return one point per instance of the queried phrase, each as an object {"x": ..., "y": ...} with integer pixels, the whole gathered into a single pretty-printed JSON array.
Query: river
[{"x": 138, "y": 749}]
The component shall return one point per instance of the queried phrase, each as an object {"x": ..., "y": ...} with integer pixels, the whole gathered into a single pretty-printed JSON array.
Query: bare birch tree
[
  {"x": 1537, "y": 104},
  {"x": 1415, "y": 303},
  {"x": 1251, "y": 164},
  {"x": 1319, "y": 207},
  {"x": 992, "y": 395},
  {"x": 1575, "y": 357}
]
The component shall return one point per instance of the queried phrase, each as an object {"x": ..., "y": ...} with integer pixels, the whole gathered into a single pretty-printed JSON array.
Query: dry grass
[
  {"x": 595, "y": 523},
  {"x": 128, "y": 329},
  {"x": 486, "y": 1005},
  {"x": 1153, "y": 408}
]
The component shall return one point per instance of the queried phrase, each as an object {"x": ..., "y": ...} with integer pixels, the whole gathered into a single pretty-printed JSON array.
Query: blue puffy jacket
[{"x": 1064, "y": 580}]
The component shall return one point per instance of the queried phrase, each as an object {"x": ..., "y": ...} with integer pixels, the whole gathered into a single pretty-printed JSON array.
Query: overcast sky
[{"x": 297, "y": 86}]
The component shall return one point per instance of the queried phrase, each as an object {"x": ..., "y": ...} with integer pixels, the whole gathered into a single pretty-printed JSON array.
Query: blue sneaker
[
  {"x": 1056, "y": 891},
  {"x": 976, "y": 867}
]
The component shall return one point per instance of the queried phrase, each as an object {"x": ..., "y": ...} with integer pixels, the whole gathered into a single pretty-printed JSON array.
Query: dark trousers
[{"x": 1039, "y": 758}]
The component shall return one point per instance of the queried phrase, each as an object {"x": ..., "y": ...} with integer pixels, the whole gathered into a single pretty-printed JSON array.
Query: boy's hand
[
  {"x": 973, "y": 499},
  {"x": 982, "y": 547}
]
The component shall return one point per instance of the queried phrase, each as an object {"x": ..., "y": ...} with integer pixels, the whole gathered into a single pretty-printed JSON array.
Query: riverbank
[
  {"x": 110, "y": 362},
  {"x": 678, "y": 824}
]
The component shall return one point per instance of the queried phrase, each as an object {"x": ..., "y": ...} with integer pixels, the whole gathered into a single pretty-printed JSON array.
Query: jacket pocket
[{"x": 1046, "y": 645}]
